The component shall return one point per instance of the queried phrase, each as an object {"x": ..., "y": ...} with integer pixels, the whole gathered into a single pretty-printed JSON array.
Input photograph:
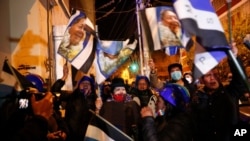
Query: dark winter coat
[
  {"x": 216, "y": 114},
  {"x": 77, "y": 115},
  {"x": 179, "y": 127}
]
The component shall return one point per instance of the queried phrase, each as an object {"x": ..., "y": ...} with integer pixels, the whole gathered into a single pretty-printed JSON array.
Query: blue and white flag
[
  {"x": 83, "y": 49},
  {"x": 110, "y": 55},
  {"x": 199, "y": 19},
  {"x": 172, "y": 50},
  {"x": 99, "y": 129},
  {"x": 12, "y": 80},
  {"x": 8, "y": 81},
  {"x": 77, "y": 45}
]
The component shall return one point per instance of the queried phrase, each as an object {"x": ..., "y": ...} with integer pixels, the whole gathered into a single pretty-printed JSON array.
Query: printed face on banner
[
  {"x": 112, "y": 54},
  {"x": 72, "y": 43},
  {"x": 169, "y": 27},
  {"x": 168, "y": 31}
]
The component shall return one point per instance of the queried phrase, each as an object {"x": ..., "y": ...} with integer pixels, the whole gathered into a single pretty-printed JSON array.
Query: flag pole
[
  {"x": 229, "y": 52},
  {"x": 138, "y": 3}
]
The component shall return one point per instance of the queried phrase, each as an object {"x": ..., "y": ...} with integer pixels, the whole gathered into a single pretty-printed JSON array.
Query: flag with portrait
[
  {"x": 110, "y": 55},
  {"x": 84, "y": 50},
  {"x": 77, "y": 45},
  {"x": 161, "y": 29}
]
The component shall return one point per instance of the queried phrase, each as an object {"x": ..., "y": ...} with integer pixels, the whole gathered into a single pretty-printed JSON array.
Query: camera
[{"x": 25, "y": 96}]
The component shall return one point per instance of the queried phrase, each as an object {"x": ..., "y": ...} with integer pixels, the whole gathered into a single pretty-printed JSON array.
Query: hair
[
  {"x": 174, "y": 65},
  {"x": 139, "y": 77},
  {"x": 163, "y": 11},
  {"x": 90, "y": 79}
]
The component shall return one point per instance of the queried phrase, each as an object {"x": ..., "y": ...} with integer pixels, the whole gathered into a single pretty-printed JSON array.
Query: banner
[
  {"x": 162, "y": 27},
  {"x": 77, "y": 45},
  {"x": 110, "y": 55}
]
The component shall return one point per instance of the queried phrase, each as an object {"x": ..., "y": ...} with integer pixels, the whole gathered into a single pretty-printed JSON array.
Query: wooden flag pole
[{"x": 230, "y": 53}]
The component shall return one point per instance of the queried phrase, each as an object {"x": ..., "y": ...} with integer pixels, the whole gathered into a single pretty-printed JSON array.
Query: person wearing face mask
[
  {"x": 121, "y": 111},
  {"x": 188, "y": 76},
  {"x": 175, "y": 73}
]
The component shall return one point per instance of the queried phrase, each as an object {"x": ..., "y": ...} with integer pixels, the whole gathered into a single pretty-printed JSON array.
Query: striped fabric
[
  {"x": 100, "y": 129},
  {"x": 199, "y": 19}
]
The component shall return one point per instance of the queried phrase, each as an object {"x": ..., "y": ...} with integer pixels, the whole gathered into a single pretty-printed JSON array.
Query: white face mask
[
  {"x": 189, "y": 79},
  {"x": 176, "y": 75}
]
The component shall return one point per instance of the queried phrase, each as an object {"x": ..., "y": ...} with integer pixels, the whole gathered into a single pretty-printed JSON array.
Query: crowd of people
[{"x": 150, "y": 110}]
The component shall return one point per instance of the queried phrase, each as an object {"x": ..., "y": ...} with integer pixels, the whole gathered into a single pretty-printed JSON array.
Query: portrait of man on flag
[
  {"x": 112, "y": 54},
  {"x": 165, "y": 28},
  {"x": 74, "y": 37},
  {"x": 77, "y": 45},
  {"x": 169, "y": 27}
]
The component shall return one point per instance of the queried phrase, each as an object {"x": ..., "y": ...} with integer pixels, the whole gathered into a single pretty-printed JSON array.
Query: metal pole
[
  {"x": 138, "y": 2},
  {"x": 229, "y": 52}
]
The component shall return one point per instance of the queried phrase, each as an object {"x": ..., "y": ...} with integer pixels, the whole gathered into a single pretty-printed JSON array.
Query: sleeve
[
  {"x": 148, "y": 129},
  {"x": 237, "y": 85},
  {"x": 56, "y": 87},
  {"x": 33, "y": 130},
  {"x": 155, "y": 82},
  {"x": 62, "y": 125}
]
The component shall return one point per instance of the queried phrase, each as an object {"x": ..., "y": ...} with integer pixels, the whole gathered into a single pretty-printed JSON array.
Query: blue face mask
[{"x": 176, "y": 75}]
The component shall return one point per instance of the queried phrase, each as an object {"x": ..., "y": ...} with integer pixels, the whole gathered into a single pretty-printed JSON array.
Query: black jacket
[
  {"x": 179, "y": 127},
  {"x": 216, "y": 114},
  {"x": 123, "y": 115},
  {"x": 77, "y": 115}
]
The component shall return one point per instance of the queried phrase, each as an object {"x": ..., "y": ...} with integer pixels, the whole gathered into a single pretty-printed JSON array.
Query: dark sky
[{"x": 116, "y": 19}]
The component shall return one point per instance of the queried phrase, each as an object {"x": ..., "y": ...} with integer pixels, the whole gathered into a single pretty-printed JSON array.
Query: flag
[
  {"x": 205, "y": 60},
  {"x": 199, "y": 19},
  {"x": 77, "y": 45},
  {"x": 172, "y": 50},
  {"x": 158, "y": 34},
  {"x": 105, "y": 55},
  {"x": 11, "y": 82},
  {"x": 100, "y": 129},
  {"x": 8, "y": 81},
  {"x": 12, "y": 79},
  {"x": 110, "y": 55}
]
